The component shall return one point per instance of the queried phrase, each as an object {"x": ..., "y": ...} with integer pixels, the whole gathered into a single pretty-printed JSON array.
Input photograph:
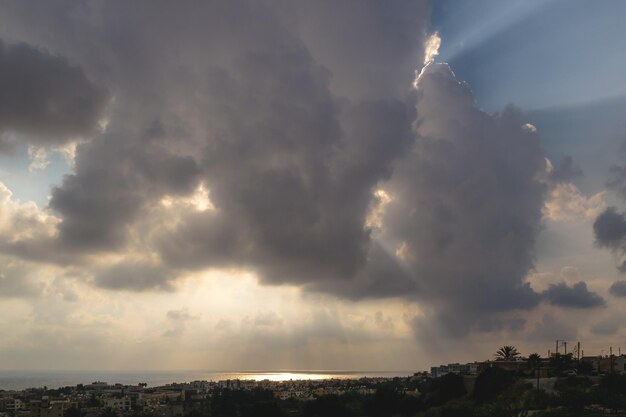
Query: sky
[{"x": 280, "y": 184}]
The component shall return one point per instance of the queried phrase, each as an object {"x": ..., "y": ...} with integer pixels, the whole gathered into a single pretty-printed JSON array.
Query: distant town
[
  {"x": 176, "y": 399},
  {"x": 509, "y": 384}
]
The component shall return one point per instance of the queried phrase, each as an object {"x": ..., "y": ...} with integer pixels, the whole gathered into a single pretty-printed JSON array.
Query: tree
[
  {"x": 585, "y": 368},
  {"x": 507, "y": 353},
  {"x": 446, "y": 388},
  {"x": 327, "y": 406},
  {"x": 262, "y": 409},
  {"x": 108, "y": 412},
  {"x": 534, "y": 361},
  {"x": 490, "y": 383},
  {"x": 72, "y": 412}
]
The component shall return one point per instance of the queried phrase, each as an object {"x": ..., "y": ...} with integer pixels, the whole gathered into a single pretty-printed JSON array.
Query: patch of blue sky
[
  {"x": 28, "y": 184},
  {"x": 563, "y": 61},
  {"x": 535, "y": 53},
  {"x": 594, "y": 134}
]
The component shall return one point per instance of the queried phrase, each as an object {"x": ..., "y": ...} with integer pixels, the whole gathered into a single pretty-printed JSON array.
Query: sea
[{"x": 20, "y": 380}]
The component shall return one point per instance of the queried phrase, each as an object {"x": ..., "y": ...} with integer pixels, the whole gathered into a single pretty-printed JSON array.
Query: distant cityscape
[
  {"x": 173, "y": 400},
  {"x": 204, "y": 398}
]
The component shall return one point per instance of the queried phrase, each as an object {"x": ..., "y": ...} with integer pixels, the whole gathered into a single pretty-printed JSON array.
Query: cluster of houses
[
  {"x": 175, "y": 400},
  {"x": 598, "y": 365},
  {"x": 307, "y": 389},
  {"x": 606, "y": 364},
  {"x": 91, "y": 400},
  {"x": 172, "y": 400}
]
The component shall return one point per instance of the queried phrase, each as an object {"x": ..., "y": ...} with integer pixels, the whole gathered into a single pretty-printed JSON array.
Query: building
[
  {"x": 606, "y": 364},
  {"x": 47, "y": 408},
  {"x": 118, "y": 403},
  {"x": 455, "y": 368},
  {"x": 439, "y": 371},
  {"x": 506, "y": 365},
  {"x": 11, "y": 405}
]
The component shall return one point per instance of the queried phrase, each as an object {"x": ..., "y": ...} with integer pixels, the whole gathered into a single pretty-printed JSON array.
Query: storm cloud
[
  {"x": 610, "y": 226},
  {"x": 288, "y": 140},
  {"x": 467, "y": 202},
  {"x": 45, "y": 97},
  {"x": 575, "y": 296},
  {"x": 610, "y": 232},
  {"x": 323, "y": 164}
]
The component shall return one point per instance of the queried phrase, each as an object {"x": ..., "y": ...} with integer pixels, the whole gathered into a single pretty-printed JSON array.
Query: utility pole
[
  {"x": 578, "y": 352},
  {"x": 565, "y": 345},
  {"x": 611, "y": 357},
  {"x": 537, "y": 372},
  {"x": 557, "y": 347}
]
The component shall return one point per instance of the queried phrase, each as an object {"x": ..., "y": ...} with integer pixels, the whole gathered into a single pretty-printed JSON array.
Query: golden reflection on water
[{"x": 286, "y": 376}]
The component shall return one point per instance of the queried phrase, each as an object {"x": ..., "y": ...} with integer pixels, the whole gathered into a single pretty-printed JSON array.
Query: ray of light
[{"x": 503, "y": 15}]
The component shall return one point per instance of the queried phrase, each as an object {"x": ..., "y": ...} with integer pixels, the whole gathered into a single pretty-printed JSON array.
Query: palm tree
[
  {"x": 534, "y": 360},
  {"x": 507, "y": 353}
]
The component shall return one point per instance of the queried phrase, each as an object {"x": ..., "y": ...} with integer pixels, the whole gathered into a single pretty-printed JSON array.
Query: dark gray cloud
[
  {"x": 114, "y": 180},
  {"x": 610, "y": 229},
  {"x": 467, "y": 203},
  {"x": 292, "y": 114},
  {"x": 575, "y": 296},
  {"x": 610, "y": 226},
  {"x": 289, "y": 151},
  {"x": 618, "y": 289},
  {"x": 382, "y": 39},
  {"x": 46, "y": 97},
  {"x": 289, "y": 112},
  {"x": 610, "y": 232}
]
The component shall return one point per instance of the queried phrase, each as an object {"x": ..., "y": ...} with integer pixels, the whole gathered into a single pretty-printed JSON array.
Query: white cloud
[
  {"x": 375, "y": 216},
  {"x": 68, "y": 151},
  {"x": 38, "y": 157},
  {"x": 565, "y": 202},
  {"x": 21, "y": 221},
  {"x": 431, "y": 47},
  {"x": 199, "y": 200}
]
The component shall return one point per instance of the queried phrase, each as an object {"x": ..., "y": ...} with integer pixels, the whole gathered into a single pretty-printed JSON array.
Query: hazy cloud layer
[
  {"x": 606, "y": 327},
  {"x": 136, "y": 276}
]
